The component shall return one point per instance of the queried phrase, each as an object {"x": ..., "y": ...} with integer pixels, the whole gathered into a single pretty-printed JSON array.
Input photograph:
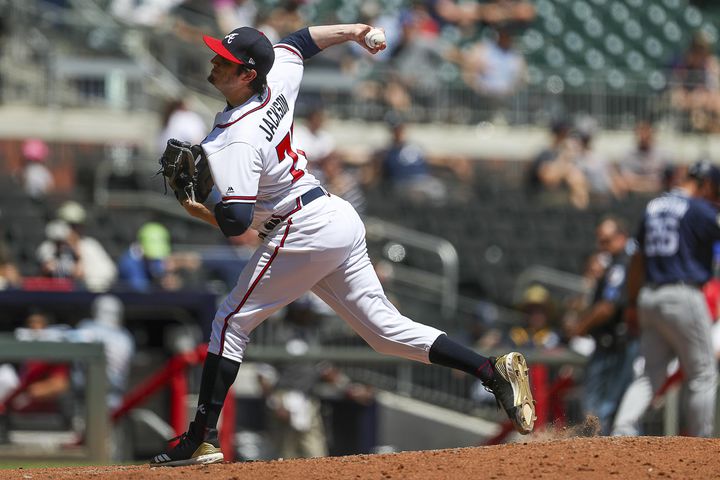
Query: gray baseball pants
[{"x": 675, "y": 321}]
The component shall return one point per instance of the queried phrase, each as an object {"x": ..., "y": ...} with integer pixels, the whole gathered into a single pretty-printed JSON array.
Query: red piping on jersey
[
  {"x": 297, "y": 208},
  {"x": 252, "y": 287},
  {"x": 225, "y": 125},
  {"x": 252, "y": 199},
  {"x": 289, "y": 49}
]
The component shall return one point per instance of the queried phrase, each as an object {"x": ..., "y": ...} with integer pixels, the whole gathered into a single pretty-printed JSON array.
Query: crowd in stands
[
  {"x": 696, "y": 90},
  {"x": 475, "y": 44},
  {"x": 67, "y": 258},
  {"x": 491, "y": 50},
  {"x": 571, "y": 168}
]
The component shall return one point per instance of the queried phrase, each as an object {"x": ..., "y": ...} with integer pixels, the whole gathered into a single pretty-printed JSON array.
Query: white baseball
[{"x": 374, "y": 38}]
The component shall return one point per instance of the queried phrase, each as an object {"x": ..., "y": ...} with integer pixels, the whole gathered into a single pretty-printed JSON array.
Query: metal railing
[
  {"x": 92, "y": 355},
  {"x": 397, "y": 240},
  {"x": 562, "y": 285}
]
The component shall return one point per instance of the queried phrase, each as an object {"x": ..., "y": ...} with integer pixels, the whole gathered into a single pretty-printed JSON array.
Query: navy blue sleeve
[
  {"x": 708, "y": 219},
  {"x": 302, "y": 40},
  {"x": 234, "y": 218}
]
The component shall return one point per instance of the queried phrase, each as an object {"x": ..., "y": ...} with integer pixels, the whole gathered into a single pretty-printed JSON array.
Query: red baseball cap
[{"x": 245, "y": 46}]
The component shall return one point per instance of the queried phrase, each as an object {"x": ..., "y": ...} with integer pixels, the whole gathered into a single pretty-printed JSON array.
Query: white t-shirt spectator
[
  {"x": 316, "y": 145},
  {"x": 184, "y": 125},
  {"x": 37, "y": 180},
  {"x": 100, "y": 270}
]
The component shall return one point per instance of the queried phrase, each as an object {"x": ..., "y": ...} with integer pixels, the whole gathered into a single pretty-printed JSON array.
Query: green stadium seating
[{"x": 627, "y": 42}]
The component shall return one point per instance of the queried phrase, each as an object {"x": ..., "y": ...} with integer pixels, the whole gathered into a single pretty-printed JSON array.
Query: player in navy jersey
[{"x": 667, "y": 273}]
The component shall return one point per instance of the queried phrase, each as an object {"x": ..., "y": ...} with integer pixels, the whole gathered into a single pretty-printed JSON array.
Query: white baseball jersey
[
  {"x": 250, "y": 149},
  {"x": 318, "y": 246}
]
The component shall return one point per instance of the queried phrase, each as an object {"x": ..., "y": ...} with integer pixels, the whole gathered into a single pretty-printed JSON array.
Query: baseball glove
[{"x": 185, "y": 169}]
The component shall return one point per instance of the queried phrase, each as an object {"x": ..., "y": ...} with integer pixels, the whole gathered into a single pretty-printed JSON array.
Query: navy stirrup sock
[
  {"x": 217, "y": 377},
  {"x": 449, "y": 353}
]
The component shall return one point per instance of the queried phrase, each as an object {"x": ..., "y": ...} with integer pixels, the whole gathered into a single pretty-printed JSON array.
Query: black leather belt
[
  {"x": 304, "y": 199},
  {"x": 312, "y": 194}
]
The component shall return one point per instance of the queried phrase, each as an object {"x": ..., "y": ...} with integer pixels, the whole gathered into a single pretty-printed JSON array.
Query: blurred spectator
[
  {"x": 58, "y": 256},
  {"x": 373, "y": 12},
  {"x": 553, "y": 168},
  {"x": 595, "y": 267},
  {"x": 696, "y": 85},
  {"x": 420, "y": 49},
  {"x": 642, "y": 169},
  {"x": 9, "y": 274},
  {"x": 3, "y": 40},
  {"x": 42, "y": 385},
  {"x": 181, "y": 123},
  {"x": 609, "y": 371},
  {"x": 313, "y": 139},
  {"x": 285, "y": 19},
  {"x": 672, "y": 176},
  {"x": 296, "y": 423},
  {"x": 231, "y": 14},
  {"x": 221, "y": 263},
  {"x": 149, "y": 263},
  {"x": 36, "y": 178},
  {"x": 293, "y": 390},
  {"x": 342, "y": 183},
  {"x": 484, "y": 332},
  {"x": 602, "y": 177},
  {"x": 144, "y": 265},
  {"x": 468, "y": 13},
  {"x": 405, "y": 167},
  {"x": 535, "y": 331},
  {"x": 106, "y": 326},
  {"x": 493, "y": 68},
  {"x": 450, "y": 12},
  {"x": 270, "y": 23},
  {"x": 98, "y": 268},
  {"x": 142, "y": 12}
]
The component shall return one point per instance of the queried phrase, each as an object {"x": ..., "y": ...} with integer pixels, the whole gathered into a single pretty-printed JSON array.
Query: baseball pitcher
[{"x": 311, "y": 240}]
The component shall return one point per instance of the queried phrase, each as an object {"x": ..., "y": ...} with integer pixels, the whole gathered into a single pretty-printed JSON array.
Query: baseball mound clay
[{"x": 586, "y": 458}]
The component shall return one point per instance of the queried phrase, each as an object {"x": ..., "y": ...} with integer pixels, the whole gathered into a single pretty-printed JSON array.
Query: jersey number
[
  {"x": 284, "y": 148},
  {"x": 661, "y": 237}
]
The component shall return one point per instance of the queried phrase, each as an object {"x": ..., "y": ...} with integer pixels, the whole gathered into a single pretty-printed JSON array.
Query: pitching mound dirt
[{"x": 586, "y": 458}]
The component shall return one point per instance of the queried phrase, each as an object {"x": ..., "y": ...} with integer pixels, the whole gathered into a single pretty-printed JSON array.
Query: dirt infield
[{"x": 586, "y": 458}]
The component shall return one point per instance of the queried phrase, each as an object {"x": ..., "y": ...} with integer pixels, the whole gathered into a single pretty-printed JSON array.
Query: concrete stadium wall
[
  {"x": 485, "y": 140},
  {"x": 408, "y": 424}
]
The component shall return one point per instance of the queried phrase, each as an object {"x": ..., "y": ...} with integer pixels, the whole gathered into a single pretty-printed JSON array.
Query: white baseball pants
[{"x": 321, "y": 248}]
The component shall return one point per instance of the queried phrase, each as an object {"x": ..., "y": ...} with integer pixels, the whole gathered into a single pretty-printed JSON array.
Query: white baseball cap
[
  {"x": 57, "y": 230},
  {"x": 72, "y": 212}
]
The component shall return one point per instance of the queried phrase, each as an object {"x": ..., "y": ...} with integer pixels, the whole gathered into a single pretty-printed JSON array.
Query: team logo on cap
[
  {"x": 230, "y": 37},
  {"x": 251, "y": 61}
]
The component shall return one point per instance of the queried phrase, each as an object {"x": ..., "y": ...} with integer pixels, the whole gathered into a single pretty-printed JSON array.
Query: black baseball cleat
[
  {"x": 511, "y": 386},
  {"x": 194, "y": 448}
]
